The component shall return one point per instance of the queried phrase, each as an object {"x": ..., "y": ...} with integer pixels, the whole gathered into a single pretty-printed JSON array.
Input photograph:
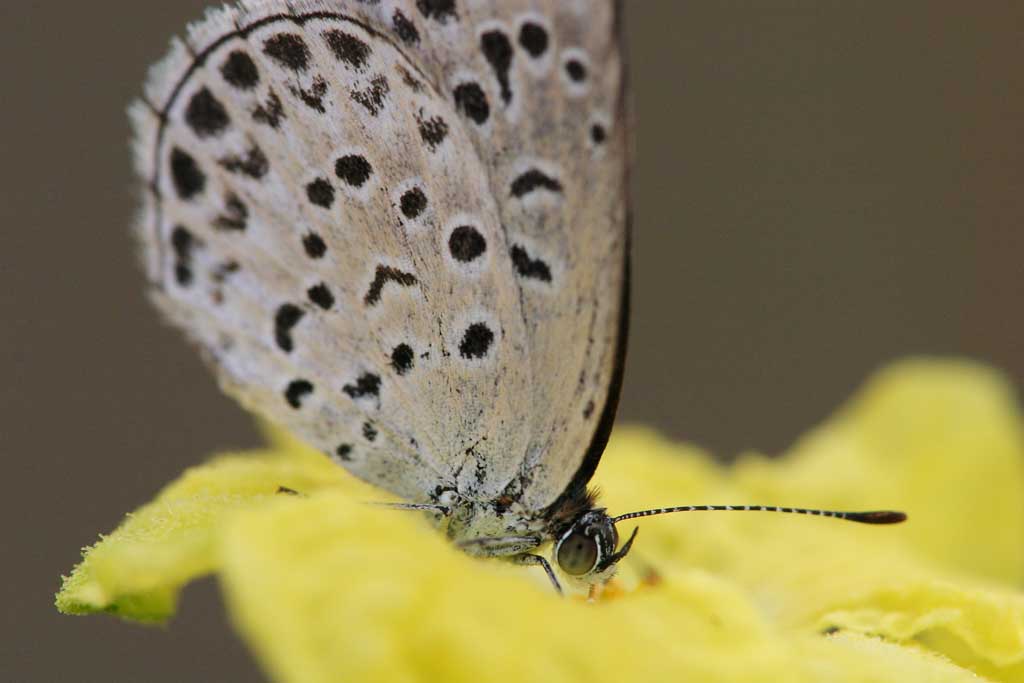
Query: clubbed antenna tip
[{"x": 878, "y": 517}]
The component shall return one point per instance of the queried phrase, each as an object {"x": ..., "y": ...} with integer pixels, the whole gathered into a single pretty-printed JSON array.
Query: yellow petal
[
  {"x": 853, "y": 658},
  {"x": 325, "y": 588},
  {"x": 941, "y": 440},
  {"x": 138, "y": 570}
]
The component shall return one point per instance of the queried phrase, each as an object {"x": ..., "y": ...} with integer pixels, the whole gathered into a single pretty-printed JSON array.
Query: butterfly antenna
[{"x": 870, "y": 517}]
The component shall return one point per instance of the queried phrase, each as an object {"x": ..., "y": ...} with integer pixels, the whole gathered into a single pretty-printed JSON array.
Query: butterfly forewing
[{"x": 397, "y": 229}]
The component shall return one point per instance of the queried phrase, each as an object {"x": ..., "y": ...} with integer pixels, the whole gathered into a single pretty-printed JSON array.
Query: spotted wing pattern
[{"x": 398, "y": 228}]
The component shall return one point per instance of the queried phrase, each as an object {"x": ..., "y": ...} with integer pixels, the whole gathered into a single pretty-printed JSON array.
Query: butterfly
[{"x": 400, "y": 229}]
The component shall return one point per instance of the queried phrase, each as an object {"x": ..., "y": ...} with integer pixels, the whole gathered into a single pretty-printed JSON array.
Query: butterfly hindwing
[{"x": 397, "y": 228}]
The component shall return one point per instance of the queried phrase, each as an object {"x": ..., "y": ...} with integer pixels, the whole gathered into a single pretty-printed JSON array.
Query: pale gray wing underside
[{"x": 397, "y": 228}]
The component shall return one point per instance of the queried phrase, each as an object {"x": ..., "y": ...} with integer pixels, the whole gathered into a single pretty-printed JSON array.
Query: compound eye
[{"x": 577, "y": 554}]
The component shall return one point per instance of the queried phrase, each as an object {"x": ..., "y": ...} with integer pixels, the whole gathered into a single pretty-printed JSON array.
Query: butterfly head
[{"x": 588, "y": 549}]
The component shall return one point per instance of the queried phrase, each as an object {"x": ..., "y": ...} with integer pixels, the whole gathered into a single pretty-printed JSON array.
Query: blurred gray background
[{"x": 820, "y": 187}]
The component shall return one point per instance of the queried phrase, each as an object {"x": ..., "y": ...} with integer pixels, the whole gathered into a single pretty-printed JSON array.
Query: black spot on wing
[
  {"x": 344, "y": 452},
  {"x": 313, "y": 97},
  {"x": 321, "y": 296},
  {"x": 183, "y": 243},
  {"x": 254, "y": 164},
  {"x": 471, "y": 101},
  {"x": 497, "y": 50},
  {"x": 476, "y": 341},
  {"x": 438, "y": 10},
  {"x": 347, "y": 48},
  {"x": 372, "y": 96},
  {"x": 366, "y": 385},
  {"x": 404, "y": 29},
  {"x": 384, "y": 275},
  {"x": 534, "y": 179},
  {"x": 321, "y": 193},
  {"x": 189, "y": 180},
  {"x": 183, "y": 274},
  {"x": 534, "y": 39},
  {"x": 205, "y": 114},
  {"x": 285, "y": 320},
  {"x": 598, "y": 134},
  {"x": 240, "y": 71},
  {"x": 529, "y": 267},
  {"x": 289, "y": 50},
  {"x": 433, "y": 130},
  {"x": 402, "y": 358},
  {"x": 369, "y": 432},
  {"x": 270, "y": 112},
  {"x": 413, "y": 203},
  {"x": 354, "y": 169},
  {"x": 296, "y": 391},
  {"x": 235, "y": 215},
  {"x": 576, "y": 70},
  {"x": 314, "y": 245},
  {"x": 466, "y": 243}
]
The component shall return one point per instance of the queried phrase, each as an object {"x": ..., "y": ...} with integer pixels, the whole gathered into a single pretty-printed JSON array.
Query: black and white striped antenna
[{"x": 869, "y": 517}]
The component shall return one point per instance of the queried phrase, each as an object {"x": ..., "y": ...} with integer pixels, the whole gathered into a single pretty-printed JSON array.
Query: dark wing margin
[{"x": 575, "y": 495}]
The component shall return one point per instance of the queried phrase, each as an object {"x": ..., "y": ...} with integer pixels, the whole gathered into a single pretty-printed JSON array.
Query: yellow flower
[{"x": 325, "y": 588}]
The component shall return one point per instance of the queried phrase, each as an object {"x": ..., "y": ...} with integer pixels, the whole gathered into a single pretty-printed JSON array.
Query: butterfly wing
[
  {"x": 392, "y": 228},
  {"x": 554, "y": 144}
]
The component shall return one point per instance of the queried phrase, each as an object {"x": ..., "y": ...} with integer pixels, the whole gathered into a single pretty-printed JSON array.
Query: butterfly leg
[
  {"x": 498, "y": 546},
  {"x": 514, "y": 548},
  {"x": 528, "y": 559},
  {"x": 426, "y": 507},
  {"x": 443, "y": 510}
]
